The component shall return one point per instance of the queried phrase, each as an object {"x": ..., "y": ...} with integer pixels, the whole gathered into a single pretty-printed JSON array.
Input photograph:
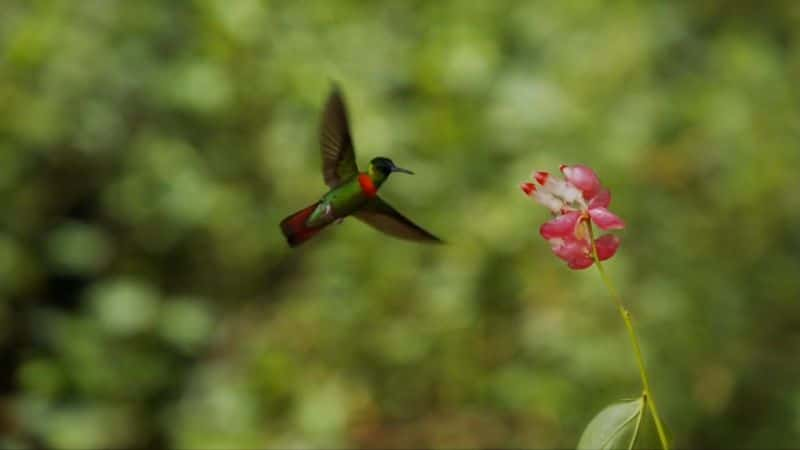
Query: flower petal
[
  {"x": 562, "y": 226},
  {"x": 573, "y": 251},
  {"x": 583, "y": 178},
  {"x": 601, "y": 200},
  {"x": 607, "y": 246},
  {"x": 580, "y": 263},
  {"x": 605, "y": 219}
]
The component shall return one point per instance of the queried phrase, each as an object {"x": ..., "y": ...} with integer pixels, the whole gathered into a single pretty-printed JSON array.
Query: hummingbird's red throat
[{"x": 367, "y": 185}]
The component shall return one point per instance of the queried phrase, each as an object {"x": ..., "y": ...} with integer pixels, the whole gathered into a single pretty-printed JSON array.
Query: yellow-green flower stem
[{"x": 626, "y": 317}]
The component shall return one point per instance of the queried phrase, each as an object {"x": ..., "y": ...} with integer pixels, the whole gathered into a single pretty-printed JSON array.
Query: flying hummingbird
[{"x": 352, "y": 193}]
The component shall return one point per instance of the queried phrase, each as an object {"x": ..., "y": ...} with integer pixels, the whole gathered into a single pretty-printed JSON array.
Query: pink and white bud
[
  {"x": 560, "y": 188},
  {"x": 527, "y": 188},
  {"x": 583, "y": 178},
  {"x": 548, "y": 200},
  {"x": 541, "y": 177},
  {"x": 564, "y": 190}
]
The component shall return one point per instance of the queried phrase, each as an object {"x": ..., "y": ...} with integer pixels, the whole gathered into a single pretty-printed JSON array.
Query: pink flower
[{"x": 575, "y": 201}]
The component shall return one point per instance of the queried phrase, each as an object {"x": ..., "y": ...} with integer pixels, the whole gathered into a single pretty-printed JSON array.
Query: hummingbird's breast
[{"x": 368, "y": 186}]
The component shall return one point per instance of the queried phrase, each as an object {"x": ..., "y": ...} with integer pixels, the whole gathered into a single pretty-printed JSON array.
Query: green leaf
[{"x": 616, "y": 426}]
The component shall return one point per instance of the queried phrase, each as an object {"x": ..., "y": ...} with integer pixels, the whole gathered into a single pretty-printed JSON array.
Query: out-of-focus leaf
[
  {"x": 616, "y": 426},
  {"x": 125, "y": 305},
  {"x": 78, "y": 248}
]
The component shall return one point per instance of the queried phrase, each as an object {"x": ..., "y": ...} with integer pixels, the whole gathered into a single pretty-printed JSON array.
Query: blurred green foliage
[{"x": 149, "y": 149}]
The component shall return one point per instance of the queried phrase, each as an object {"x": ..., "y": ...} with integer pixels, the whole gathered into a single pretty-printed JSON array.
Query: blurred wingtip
[
  {"x": 336, "y": 87},
  {"x": 436, "y": 241}
]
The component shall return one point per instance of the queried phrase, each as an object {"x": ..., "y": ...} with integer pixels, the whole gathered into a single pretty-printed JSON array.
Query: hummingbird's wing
[
  {"x": 383, "y": 217},
  {"x": 338, "y": 157}
]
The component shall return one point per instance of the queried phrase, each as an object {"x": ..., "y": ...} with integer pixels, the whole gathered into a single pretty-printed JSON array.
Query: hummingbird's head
[{"x": 380, "y": 168}]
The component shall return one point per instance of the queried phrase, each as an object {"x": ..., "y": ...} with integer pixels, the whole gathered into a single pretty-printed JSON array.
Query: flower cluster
[{"x": 575, "y": 201}]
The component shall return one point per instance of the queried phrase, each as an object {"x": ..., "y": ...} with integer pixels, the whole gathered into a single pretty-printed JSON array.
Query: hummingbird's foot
[{"x": 339, "y": 220}]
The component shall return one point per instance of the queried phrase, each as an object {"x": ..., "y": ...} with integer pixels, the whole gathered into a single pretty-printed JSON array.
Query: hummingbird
[{"x": 352, "y": 192}]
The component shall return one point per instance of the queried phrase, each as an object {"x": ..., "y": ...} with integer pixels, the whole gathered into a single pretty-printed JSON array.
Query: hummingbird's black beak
[{"x": 401, "y": 170}]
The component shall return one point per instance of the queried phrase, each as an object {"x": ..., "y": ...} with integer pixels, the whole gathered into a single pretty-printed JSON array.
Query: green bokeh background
[{"x": 149, "y": 149}]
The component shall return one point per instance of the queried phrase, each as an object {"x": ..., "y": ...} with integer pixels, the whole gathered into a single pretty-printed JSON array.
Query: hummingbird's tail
[{"x": 295, "y": 229}]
